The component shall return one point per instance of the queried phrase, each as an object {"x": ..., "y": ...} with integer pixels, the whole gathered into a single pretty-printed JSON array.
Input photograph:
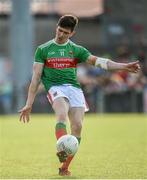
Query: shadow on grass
[{"x": 65, "y": 177}]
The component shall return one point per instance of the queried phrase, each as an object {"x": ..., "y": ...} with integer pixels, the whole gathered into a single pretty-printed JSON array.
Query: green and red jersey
[{"x": 60, "y": 62}]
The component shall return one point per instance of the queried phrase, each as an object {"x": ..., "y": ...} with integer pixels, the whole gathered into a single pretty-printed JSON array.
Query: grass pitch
[{"x": 112, "y": 147}]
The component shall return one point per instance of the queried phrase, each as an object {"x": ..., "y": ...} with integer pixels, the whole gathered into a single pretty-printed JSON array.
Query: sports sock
[
  {"x": 60, "y": 130},
  {"x": 79, "y": 139},
  {"x": 66, "y": 164}
]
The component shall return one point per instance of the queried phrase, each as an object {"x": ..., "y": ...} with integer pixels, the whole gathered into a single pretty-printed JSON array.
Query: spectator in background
[{"x": 5, "y": 86}]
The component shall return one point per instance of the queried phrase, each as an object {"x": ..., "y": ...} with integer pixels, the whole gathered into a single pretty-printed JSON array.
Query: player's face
[{"x": 63, "y": 34}]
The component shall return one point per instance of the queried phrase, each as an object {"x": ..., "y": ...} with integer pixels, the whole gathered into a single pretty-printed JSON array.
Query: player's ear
[{"x": 73, "y": 33}]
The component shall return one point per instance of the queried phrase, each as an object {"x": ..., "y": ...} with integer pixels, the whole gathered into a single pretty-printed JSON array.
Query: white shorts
[{"x": 74, "y": 95}]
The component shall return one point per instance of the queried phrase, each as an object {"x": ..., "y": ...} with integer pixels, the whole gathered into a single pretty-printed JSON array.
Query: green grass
[{"x": 112, "y": 147}]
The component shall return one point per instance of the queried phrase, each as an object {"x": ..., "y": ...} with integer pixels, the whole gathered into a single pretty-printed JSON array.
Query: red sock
[
  {"x": 66, "y": 164},
  {"x": 60, "y": 130}
]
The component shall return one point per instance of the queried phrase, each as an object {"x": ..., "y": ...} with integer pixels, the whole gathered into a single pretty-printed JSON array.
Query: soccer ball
[{"x": 67, "y": 143}]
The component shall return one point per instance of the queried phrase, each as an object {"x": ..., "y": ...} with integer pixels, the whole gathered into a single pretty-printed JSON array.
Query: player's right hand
[{"x": 25, "y": 113}]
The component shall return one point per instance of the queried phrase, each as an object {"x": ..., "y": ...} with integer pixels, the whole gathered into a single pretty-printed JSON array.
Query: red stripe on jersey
[{"x": 61, "y": 63}]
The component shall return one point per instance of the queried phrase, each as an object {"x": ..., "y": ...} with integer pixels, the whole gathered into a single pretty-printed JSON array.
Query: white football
[{"x": 67, "y": 143}]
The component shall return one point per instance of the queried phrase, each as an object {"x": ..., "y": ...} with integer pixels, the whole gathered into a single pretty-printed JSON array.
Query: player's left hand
[{"x": 133, "y": 67}]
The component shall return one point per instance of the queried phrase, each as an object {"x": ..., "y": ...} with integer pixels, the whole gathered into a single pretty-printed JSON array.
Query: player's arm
[
  {"x": 108, "y": 64},
  {"x": 25, "y": 111}
]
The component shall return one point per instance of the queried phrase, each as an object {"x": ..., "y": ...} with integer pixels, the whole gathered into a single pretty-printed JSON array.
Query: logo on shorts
[{"x": 55, "y": 94}]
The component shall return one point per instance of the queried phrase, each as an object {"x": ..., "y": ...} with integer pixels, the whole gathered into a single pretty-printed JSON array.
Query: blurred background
[{"x": 114, "y": 29}]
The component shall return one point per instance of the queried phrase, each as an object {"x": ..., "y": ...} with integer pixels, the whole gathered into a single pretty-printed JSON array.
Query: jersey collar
[{"x": 61, "y": 44}]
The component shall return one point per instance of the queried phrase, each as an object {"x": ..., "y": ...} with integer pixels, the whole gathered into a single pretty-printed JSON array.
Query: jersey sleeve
[
  {"x": 39, "y": 55},
  {"x": 83, "y": 54}
]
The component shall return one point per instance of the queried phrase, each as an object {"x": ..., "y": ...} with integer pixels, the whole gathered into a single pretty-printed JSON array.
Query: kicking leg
[{"x": 61, "y": 107}]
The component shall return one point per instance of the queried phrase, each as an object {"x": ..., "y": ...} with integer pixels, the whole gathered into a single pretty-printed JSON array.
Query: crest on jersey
[{"x": 71, "y": 52}]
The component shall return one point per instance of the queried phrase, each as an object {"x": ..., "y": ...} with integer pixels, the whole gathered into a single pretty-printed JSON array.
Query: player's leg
[
  {"x": 60, "y": 107},
  {"x": 58, "y": 98},
  {"x": 76, "y": 115}
]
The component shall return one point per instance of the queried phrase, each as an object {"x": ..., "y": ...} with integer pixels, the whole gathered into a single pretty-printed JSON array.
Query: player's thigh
[
  {"x": 76, "y": 115},
  {"x": 61, "y": 106}
]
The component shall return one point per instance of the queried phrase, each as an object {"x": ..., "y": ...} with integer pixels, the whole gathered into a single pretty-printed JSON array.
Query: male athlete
[{"x": 56, "y": 66}]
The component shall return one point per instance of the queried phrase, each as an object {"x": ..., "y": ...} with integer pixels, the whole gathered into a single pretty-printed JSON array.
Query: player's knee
[{"x": 62, "y": 116}]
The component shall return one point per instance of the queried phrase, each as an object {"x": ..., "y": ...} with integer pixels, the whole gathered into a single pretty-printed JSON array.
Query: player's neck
[{"x": 58, "y": 41}]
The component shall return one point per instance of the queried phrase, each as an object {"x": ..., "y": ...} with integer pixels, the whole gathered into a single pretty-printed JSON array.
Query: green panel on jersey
[{"x": 53, "y": 77}]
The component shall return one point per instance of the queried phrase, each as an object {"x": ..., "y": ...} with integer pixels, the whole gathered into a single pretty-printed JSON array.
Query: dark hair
[{"x": 68, "y": 21}]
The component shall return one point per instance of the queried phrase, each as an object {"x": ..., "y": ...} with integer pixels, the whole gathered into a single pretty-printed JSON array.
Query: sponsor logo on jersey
[{"x": 61, "y": 63}]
